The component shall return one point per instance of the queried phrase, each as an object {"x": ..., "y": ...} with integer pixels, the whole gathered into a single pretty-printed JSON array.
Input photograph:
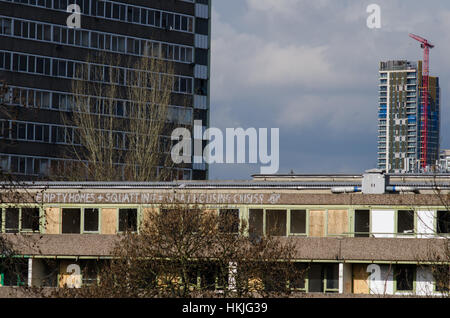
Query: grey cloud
[{"x": 311, "y": 69}]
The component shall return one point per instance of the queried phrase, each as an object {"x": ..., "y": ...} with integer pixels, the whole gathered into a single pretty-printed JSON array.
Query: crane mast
[{"x": 425, "y": 99}]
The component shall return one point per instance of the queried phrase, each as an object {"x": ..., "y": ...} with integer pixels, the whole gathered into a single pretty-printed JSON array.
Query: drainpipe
[
  {"x": 402, "y": 189},
  {"x": 345, "y": 189}
]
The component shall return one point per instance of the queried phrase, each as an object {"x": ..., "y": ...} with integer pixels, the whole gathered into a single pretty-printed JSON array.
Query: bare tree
[
  {"x": 118, "y": 127},
  {"x": 190, "y": 251}
]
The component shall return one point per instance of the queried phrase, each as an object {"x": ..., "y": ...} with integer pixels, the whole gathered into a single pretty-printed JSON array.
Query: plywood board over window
[
  {"x": 317, "y": 223},
  {"x": 146, "y": 215},
  {"x": 337, "y": 221},
  {"x": 360, "y": 279},
  {"x": 52, "y": 220},
  {"x": 109, "y": 221}
]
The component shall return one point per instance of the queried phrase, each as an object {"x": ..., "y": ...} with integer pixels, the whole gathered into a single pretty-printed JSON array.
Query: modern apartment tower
[
  {"x": 39, "y": 56},
  {"x": 401, "y": 125}
]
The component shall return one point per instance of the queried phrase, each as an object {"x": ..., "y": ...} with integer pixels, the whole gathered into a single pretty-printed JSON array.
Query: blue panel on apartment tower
[{"x": 411, "y": 119}]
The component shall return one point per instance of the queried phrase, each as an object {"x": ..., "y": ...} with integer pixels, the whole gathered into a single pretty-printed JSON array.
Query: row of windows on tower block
[
  {"x": 44, "y": 167},
  {"x": 71, "y": 69},
  {"x": 62, "y": 101},
  {"x": 120, "y": 11},
  {"x": 66, "y": 135},
  {"x": 103, "y": 41}
]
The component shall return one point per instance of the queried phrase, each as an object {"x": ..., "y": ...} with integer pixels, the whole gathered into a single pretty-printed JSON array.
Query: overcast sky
[{"x": 310, "y": 68}]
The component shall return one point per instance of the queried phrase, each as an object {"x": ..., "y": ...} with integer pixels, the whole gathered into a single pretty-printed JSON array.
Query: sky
[{"x": 310, "y": 68}]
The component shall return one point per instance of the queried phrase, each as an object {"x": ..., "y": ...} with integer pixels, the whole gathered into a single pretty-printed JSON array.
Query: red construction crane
[{"x": 425, "y": 105}]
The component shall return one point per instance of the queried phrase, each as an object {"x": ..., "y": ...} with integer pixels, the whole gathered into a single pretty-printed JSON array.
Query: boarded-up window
[
  {"x": 276, "y": 222},
  {"x": 127, "y": 220},
  {"x": 337, "y": 222},
  {"x": 317, "y": 226},
  {"x": 443, "y": 221},
  {"x": 11, "y": 220},
  {"x": 360, "y": 279},
  {"x": 90, "y": 220},
  {"x": 71, "y": 221},
  {"x": 362, "y": 223},
  {"x": 298, "y": 221},
  {"x": 256, "y": 222},
  {"x": 30, "y": 219},
  {"x": 229, "y": 220},
  {"x": 405, "y": 221}
]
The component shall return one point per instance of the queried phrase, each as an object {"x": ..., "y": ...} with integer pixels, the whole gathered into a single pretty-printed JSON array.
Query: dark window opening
[
  {"x": 201, "y": 56},
  {"x": 229, "y": 220},
  {"x": 147, "y": 274},
  {"x": 323, "y": 278},
  {"x": 192, "y": 275},
  {"x": 441, "y": 274},
  {"x": 362, "y": 222},
  {"x": 45, "y": 272},
  {"x": 443, "y": 221},
  {"x": 255, "y": 223},
  {"x": 127, "y": 220},
  {"x": 299, "y": 280},
  {"x": 11, "y": 220},
  {"x": 15, "y": 273},
  {"x": 208, "y": 276},
  {"x": 201, "y": 86},
  {"x": 90, "y": 220},
  {"x": 298, "y": 221},
  {"x": 276, "y": 222},
  {"x": 404, "y": 277},
  {"x": 201, "y": 26},
  {"x": 315, "y": 283},
  {"x": 71, "y": 221},
  {"x": 332, "y": 276},
  {"x": 274, "y": 278},
  {"x": 89, "y": 273},
  {"x": 405, "y": 221},
  {"x": 30, "y": 219}
]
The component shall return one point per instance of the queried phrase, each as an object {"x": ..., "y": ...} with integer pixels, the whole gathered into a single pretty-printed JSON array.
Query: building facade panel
[{"x": 40, "y": 55}]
